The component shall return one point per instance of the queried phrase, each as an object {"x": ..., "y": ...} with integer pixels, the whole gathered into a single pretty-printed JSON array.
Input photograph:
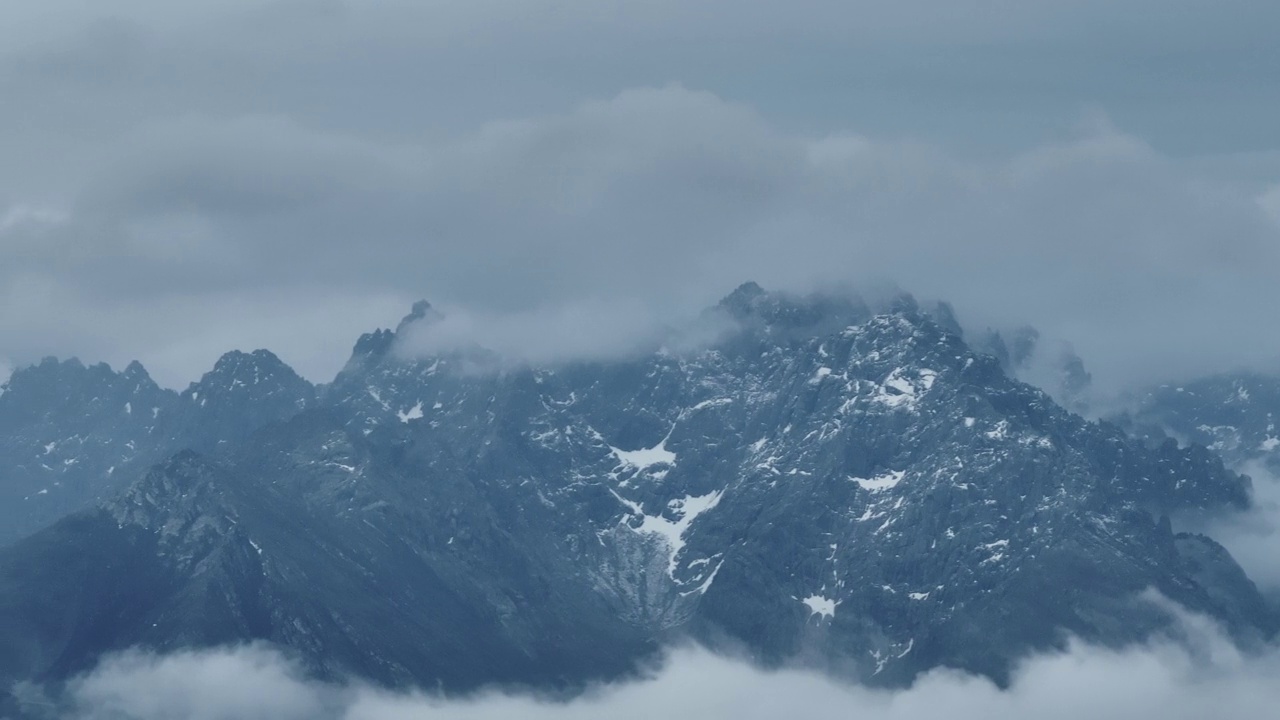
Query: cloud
[
  {"x": 1269, "y": 200},
  {"x": 1206, "y": 676},
  {"x": 1253, "y": 536},
  {"x": 665, "y": 198},
  {"x": 605, "y": 329},
  {"x": 245, "y": 683},
  {"x": 316, "y": 154}
]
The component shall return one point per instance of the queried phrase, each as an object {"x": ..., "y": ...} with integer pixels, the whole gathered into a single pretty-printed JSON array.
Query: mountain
[
  {"x": 1234, "y": 414},
  {"x": 828, "y": 483},
  {"x": 72, "y": 435}
]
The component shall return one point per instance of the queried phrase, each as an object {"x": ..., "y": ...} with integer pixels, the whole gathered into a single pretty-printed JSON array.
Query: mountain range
[{"x": 828, "y": 483}]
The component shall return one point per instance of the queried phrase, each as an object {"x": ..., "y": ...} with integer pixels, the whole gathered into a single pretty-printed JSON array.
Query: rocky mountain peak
[
  {"x": 249, "y": 368},
  {"x": 135, "y": 371},
  {"x": 240, "y": 376},
  {"x": 744, "y": 299},
  {"x": 421, "y": 312},
  {"x": 372, "y": 347},
  {"x": 242, "y": 393}
]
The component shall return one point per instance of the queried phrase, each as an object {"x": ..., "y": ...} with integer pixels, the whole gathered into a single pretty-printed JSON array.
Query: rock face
[{"x": 829, "y": 484}]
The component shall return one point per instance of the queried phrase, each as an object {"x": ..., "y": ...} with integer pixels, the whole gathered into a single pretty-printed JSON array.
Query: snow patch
[
  {"x": 671, "y": 532},
  {"x": 1269, "y": 444},
  {"x": 882, "y": 482},
  {"x": 414, "y": 413},
  {"x": 822, "y": 606},
  {"x": 899, "y": 391},
  {"x": 997, "y": 551},
  {"x": 869, "y": 515},
  {"x": 711, "y": 403},
  {"x": 635, "y": 507},
  {"x": 1000, "y": 432},
  {"x": 377, "y": 397},
  {"x": 646, "y": 457},
  {"x": 701, "y": 589}
]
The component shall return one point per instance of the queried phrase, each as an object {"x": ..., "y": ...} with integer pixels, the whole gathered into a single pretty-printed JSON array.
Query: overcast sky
[{"x": 181, "y": 179}]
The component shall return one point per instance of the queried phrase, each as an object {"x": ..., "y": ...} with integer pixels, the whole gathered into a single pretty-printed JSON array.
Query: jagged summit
[
  {"x": 744, "y": 298},
  {"x": 421, "y": 311},
  {"x": 135, "y": 370},
  {"x": 72, "y": 386},
  {"x": 373, "y": 346},
  {"x": 239, "y": 365},
  {"x": 242, "y": 393},
  {"x": 259, "y": 372}
]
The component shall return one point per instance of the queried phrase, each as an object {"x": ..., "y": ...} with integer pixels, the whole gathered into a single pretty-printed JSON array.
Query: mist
[
  {"x": 1204, "y": 675},
  {"x": 1252, "y": 536}
]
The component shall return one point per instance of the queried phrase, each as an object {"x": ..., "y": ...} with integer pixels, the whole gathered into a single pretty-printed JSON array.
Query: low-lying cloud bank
[
  {"x": 1206, "y": 676},
  {"x": 1252, "y": 536}
]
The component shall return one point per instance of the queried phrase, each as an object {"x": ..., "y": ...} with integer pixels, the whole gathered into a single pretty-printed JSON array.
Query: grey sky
[{"x": 182, "y": 179}]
